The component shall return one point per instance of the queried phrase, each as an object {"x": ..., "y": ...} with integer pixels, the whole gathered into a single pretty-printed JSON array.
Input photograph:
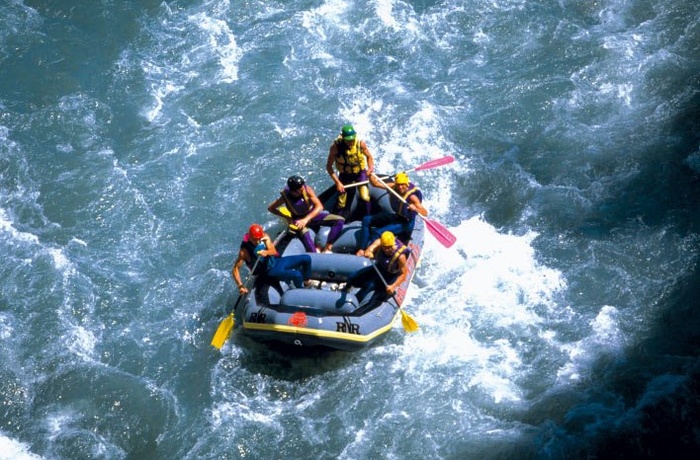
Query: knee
[{"x": 364, "y": 193}]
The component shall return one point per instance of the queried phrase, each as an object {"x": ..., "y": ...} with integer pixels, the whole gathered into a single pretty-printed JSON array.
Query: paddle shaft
[
  {"x": 386, "y": 285},
  {"x": 427, "y": 165},
  {"x": 245, "y": 284},
  {"x": 364, "y": 182},
  {"x": 409, "y": 324},
  {"x": 444, "y": 236},
  {"x": 225, "y": 326}
]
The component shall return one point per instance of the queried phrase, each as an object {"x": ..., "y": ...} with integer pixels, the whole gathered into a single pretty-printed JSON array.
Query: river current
[{"x": 140, "y": 139}]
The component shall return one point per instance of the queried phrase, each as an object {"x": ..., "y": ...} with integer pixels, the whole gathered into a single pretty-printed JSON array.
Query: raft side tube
[
  {"x": 335, "y": 302},
  {"x": 347, "y": 240},
  {"x": 336, "y": 268}
]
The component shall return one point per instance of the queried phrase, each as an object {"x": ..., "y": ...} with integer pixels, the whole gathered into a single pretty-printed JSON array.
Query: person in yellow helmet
[
  {"x": 391, "y": 257},
  {"x": 354, "y": 162},
  {"x": 401, "y": 219}
]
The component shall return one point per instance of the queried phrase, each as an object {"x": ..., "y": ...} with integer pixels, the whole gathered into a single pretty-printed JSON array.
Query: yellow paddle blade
[
  {"x": 409, "y": 324},
  {"x": 222, "y": 332},
  {"x": 283, "y": 209}
]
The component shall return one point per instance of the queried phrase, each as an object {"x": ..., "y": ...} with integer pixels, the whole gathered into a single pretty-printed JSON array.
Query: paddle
[
  {"x": 364, "y": 182},
  {"x": 226, "y": 325},
  {"x": 427, "y": 165},
  {"x": 409, "y": 324},
  {"x": 443, "y": 235}
]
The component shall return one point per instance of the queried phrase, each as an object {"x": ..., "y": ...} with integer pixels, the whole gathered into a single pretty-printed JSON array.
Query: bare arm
[
  {"x": 368, "y": 155},
  {"x": 330, "y": 164},
  {"x": 403, "y": 267},
  {"x": 276, "y": 204},
  {"x": 414, "y": 204},
  {"x": 372, "y": 248},
  {"x": 381, "y": 184},
  {"x": 236, "y": 270},
  {"x": 318, "y": 207},
  {"x": 270, "y": 249}
]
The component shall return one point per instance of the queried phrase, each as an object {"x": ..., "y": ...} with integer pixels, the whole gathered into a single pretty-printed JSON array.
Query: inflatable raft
[{"x": 325, "y": 315}]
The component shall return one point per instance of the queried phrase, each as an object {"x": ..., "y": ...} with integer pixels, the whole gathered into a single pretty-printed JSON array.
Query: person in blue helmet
[
  {"x": 354, "y": 162},
  {"x": 306, "y": 210}
]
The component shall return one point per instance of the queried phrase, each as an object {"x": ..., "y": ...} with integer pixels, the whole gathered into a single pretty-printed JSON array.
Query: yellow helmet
[
  {"x": 401, "y": 178},
  {"x": 388, "y": 239}
]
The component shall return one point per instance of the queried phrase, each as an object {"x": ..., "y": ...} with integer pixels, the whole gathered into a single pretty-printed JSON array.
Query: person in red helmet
[{"x": 258, "y": 252}]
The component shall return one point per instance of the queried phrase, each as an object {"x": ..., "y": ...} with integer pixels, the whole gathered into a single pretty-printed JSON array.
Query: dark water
[{"x": 140, "y": 139}]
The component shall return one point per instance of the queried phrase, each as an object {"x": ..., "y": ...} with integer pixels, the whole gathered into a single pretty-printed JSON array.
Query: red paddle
[
  {"x": 434, "y": 163},
  {"x": 427, "y": 165},
  {"x": 443, "y": 235}
]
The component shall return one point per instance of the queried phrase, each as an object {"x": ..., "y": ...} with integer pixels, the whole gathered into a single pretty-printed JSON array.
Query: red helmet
[{"x": 256, "y": 231}]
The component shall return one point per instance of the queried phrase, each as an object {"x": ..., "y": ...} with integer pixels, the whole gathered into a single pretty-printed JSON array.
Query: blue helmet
[{"x": 295, "y": 182}]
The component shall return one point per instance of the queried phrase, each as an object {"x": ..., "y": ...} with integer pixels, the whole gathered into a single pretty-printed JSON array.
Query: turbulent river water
[{"x": 139, "y": 140}]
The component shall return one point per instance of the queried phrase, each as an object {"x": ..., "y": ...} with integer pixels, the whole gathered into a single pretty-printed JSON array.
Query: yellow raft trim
[{"x": 321, "y": 333}]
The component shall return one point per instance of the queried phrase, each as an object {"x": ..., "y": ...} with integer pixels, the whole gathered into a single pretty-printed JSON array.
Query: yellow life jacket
[{"x": 349, "y": 160}]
